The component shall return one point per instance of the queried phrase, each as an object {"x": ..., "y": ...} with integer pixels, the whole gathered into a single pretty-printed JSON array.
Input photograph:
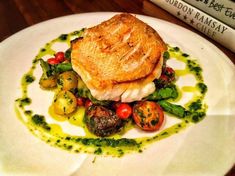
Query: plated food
[{"x": 113, "y": 78}]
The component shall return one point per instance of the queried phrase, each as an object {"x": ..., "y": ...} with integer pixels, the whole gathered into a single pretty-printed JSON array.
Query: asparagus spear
[
  {"x": 174, "y": 109},
  {"x": 47, "y": 72},
  {"x": 62, "y": 67},
  {"x": 50, "y": 70}
]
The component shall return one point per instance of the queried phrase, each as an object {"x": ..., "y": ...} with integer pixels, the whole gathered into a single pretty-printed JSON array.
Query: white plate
[{"x": 203, "y": 149}]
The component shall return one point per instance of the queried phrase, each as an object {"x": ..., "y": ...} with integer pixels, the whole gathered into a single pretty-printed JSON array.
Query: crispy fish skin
[{"x": 117, "y": 54}]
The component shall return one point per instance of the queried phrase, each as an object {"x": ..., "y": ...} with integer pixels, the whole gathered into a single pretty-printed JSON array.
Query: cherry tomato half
[
  {"x": 148, "y": 115},
  {"x": 88, "y": 103},
  {"x": 80, "y": 101},
  {"x": 123, "y": 110},
  {"x": 52, "y": 61},
  {"x": 60, "y": 56}
]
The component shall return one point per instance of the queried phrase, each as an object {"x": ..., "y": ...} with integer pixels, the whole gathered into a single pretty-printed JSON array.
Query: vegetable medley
[
  {"x": 105, "y": 122},
  {"x": 104, "y": 118}
]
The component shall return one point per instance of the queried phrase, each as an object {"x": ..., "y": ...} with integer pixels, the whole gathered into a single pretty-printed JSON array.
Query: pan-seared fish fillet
[{"x": 119, "y": 58}]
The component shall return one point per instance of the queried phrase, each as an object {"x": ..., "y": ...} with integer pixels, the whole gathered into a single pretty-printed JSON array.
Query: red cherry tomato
[
  {"x": 88, "y": 103},
  {"x": 169, "y": 70},
  {"x": 80, "y": 101},
  {"x": 170, "y": 73},
  {"x": 52, "y": 61},
  {"x": 124, "y": 111},
  {"x": 148, "y": 115},
  {"x": 60, "y": 56},
  {"x": 164, "y": 79}
]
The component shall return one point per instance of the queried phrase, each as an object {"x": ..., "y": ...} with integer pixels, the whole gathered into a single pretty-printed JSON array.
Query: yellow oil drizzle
[
  {"x": 77, "y": 118},
  {"x": 182, "y": 72}
]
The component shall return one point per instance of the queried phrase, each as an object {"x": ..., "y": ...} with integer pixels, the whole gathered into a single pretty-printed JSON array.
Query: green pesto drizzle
[
  {"x": 114, "y": 145},
  {"x": 196, "y": 107}
]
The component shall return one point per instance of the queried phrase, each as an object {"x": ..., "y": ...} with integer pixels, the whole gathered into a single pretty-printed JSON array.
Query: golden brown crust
[{"x": 119, "y": 51}]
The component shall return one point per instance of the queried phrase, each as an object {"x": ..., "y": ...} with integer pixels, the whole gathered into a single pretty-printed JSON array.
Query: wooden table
[{"x": 19, "y": 14}]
